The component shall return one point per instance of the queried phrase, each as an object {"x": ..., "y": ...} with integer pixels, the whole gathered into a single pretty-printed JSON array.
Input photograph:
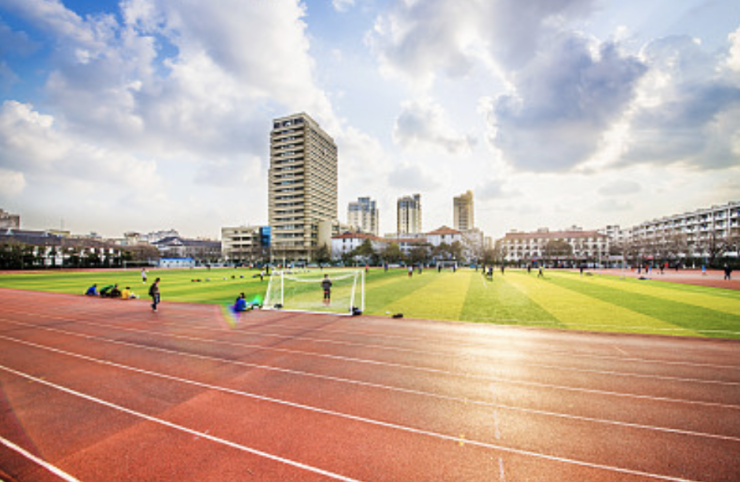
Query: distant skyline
[{"x": 143, "y": 115}]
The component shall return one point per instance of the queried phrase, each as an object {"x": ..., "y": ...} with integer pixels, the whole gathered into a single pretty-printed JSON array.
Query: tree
[
  {"x": 419, "y": 254},
  {"x": 322, "y": 254},
  {"x": 558, "y": 249},
  {"x": 392, "y": 253}
]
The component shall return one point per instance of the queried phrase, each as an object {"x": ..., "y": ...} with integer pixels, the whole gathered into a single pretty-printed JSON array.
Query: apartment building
[
  {"x": 572, "y": 246},
  {"x": 245, "y": 244},
  {"x": 463, "y": 214},
  {"x": 302, "y": 185},
  {"x": 363, "y": 216},
  {"x": 409, "y": 215}
]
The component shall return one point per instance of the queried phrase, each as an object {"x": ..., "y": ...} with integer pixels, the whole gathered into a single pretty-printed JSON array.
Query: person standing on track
[
  {"x": 154, "y": 293},
  {"x": 326, "y": 285}
]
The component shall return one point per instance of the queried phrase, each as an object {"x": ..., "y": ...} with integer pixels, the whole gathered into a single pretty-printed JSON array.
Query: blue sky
[{"x": 142, "y": 115}]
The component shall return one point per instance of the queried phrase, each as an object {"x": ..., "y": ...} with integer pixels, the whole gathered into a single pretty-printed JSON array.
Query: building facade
[
  {"x": 703, "y": 233},
  {"x": 564, "y": 248},
  {"x": 9, "y": 221},
  {"x": 302, "y": 185},
  {"x": 409, "y": 215},
  {"x": 463, "y": 216},
  {"x": 245, "y": 244},
  {"x": 363, "y": 216}
]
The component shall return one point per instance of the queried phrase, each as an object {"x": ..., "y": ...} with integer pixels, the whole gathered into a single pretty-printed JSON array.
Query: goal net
[{"x": 305, "y": 292}]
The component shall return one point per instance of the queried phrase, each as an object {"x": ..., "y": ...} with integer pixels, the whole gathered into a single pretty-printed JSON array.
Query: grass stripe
[
  {"x": 442, "y": 298},
  {"x": 577, "y": 310}
]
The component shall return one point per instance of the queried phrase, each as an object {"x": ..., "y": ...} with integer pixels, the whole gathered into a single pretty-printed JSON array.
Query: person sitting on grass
[
  {"x": 93, "y": 290},
  {"x": 127, "y": 294},
  {"x": 115, "y": 292},
  {"x": 105, "y": 291},
  {"x": 241, "y": 304}
]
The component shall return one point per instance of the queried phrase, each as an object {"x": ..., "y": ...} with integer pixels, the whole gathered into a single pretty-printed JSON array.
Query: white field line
[
  {"x": 495, "y": 405},
  {"x": 179, "y": 427},
  {"x": 51, "y": 468},
  {"x": 325, "y": 412},
  {"x": 458, "y": 356},
  {"x": 439, "y": 340},
  {"x": 439, "y": 371},
  {"x": 451, "y": 355}
]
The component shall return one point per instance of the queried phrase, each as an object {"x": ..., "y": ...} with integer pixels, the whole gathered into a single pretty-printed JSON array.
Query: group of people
[{"x": 111, "y": 291}]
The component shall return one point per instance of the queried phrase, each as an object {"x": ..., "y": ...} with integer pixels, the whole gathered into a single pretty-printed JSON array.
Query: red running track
[{"x": 101, "y": 390}]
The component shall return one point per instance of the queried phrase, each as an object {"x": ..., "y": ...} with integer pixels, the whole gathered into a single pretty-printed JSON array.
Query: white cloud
[
  {"x": 12, "y": 183},
  {"x": 688, "y": 110},
  {"x": 342, "y": 5},
  {"x": 423, "y": 124},
  {"x": 620, "y": 187}
]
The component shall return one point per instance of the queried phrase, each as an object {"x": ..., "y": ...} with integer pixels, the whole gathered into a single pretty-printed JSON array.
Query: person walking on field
[
  {"x": 326, "y": 285},
  {"x": 154, "y": 293},
  {"x": 143, "y": 276},
  {"x": 728, "y": 272}
]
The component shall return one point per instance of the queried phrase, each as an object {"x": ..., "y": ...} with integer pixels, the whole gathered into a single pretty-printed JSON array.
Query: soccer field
[{"x": 560, "y": 300}]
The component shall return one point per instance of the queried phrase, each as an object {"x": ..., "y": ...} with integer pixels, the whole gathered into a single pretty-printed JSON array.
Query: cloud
[
  {"x": 342, "y": 5},
  {"x": 419, "y": 39},
  {"x": 423, "y": 124},
  {"x": 620, "y": 187},
  {"x": 689, "y": 108},
  {"x": 32, "y": 145},
  {"x": 494, "y": 189},
  {"x": 564, "y": 102},
  {"x": 411, "y": 177},
  {"x": 12, "y": 183}
]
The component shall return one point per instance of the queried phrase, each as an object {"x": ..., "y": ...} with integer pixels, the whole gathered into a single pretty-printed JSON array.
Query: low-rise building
[
  {"x": 246, "y": 244},
  {"x": 567, "y": 248}
]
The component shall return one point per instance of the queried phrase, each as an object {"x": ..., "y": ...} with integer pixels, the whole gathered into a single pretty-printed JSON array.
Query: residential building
[
  {"x": 302, "y": 185},
  {"x": 444, "y": 235},
  {"x": 348, "y": 242},
  {"x": 245, "y": 244},
  {"x": 701, "y": 233},
  {"x": 567, "y": 248},
  {"x": 203, "y": 251},
  {"x": 463, "y": 214},
  {"x": 363, "y": 216},
  {"x": 9, "y": 221},
  {"x": 409, "y": 215}
]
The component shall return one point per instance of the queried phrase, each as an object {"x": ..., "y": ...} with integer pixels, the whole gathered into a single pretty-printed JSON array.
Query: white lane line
[
  {"x": 181, "y": 428},
  {"x": 412, "y": 430},
  {"x": 51, "y": 468},
  {"x": 466, "y": 356},
  {"x": 493, "y": 404},
  {"x": 471, "y": 357},
  {"x": 418, "y": 339},
  {"x": 423, "y": 369}
]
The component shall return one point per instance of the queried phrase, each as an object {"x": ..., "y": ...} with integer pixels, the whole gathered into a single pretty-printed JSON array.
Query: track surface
[{"x": 102, "y": 390}]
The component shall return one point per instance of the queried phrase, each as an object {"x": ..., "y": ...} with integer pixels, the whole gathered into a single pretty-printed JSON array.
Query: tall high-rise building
[
  {"x": 462, "y": 212},
  {"x": 409, "y": 214},
  {"x": 302, "y": 188},
  {"x": 363, "y": 215}
]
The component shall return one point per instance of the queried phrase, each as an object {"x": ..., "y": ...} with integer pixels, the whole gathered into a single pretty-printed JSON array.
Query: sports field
[{"x": 559, "y": 300}]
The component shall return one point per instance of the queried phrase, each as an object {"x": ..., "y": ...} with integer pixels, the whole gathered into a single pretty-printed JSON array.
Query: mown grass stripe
[
  {"x": 497, "y": 301},
  {"x": 442, "y": 298},
  {"x": 725, "y": 304},
  {"x": 650, "y": 304},
  {"x": 577, "y": 310}
]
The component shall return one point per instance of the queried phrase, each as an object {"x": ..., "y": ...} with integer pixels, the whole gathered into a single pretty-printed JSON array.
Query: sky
[{"x": 143, "y": 115}]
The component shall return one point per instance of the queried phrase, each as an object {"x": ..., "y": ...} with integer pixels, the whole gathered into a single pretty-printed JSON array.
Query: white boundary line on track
[
  {"x": 377, "y": 386},
  {"x": 228, "y": 443},
  {"x": 325, "y": 412},
  {"x": 465, "y": 357},
  {"x": 432, "y": 340},
  {"x": 452, "y": 355},
  {"x": 414, "y": 368},
  {"x": 51, "y": 468}
]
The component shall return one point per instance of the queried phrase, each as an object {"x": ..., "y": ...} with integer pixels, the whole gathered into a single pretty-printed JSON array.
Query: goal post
[{"x": 304, "y": 291}]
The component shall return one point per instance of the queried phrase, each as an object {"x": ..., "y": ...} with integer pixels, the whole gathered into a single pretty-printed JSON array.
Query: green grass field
[{"x": 561, "y": 300}]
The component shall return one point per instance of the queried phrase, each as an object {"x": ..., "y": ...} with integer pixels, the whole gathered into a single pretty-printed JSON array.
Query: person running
[
  {"x": 154, "y": 293},
  {"x": 540, "y": 274},
  {"x": 326, "y": 285},
  {"x": 143, "y": 276}
]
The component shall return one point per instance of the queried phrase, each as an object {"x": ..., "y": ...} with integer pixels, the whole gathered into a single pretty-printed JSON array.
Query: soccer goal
[{"x": 305, "y": 292}]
